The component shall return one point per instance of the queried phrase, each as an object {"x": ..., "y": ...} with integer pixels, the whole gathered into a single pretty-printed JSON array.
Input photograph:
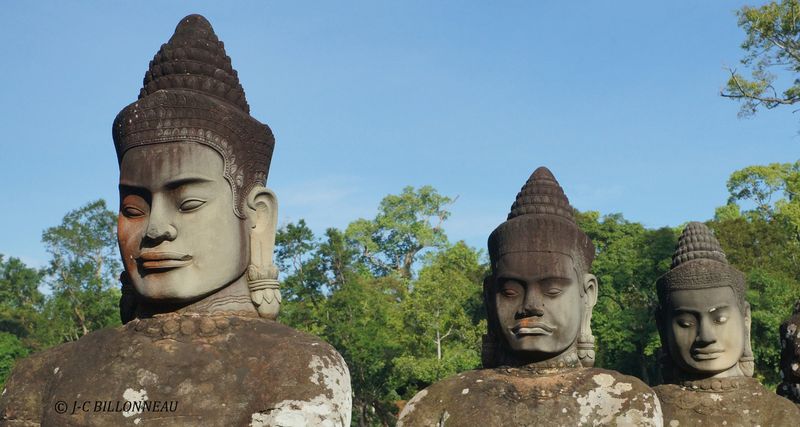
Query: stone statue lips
[
  {"x": 159, "y": 261},
  {"x": 532, "y": 326},
  {"x": 707, "y": 353}
]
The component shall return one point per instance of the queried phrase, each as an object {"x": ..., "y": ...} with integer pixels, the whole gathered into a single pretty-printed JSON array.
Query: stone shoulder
[
  {"x": 748, "y": 403},
  {"x": 513, "y": 396},
  {"x": 23, "y": 394},
  {"x": 277, "y": 371}
]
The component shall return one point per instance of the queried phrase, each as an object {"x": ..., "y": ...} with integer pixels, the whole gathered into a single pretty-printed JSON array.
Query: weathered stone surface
[
  {"x": 520, "y": 397},
  {"x": 735, "y": 401},
  {"x": 204, "y": 369}
]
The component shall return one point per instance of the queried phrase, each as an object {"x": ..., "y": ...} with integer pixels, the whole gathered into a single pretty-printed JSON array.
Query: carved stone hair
[
  {"x": 699, "y": 263},
  {"x": 541, "y": 220},
  {"x": 192, "y": 93}
]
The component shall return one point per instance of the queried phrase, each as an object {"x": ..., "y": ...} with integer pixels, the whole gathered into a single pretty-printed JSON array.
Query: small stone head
[
  {"x": 540, "y": 295},
  {"x": 193, "y": 165},
  {"x": 703, "y": 318},
  {"x": 790, "y": 347}
]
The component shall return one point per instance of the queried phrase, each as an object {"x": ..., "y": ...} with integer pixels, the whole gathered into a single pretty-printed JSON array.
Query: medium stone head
[
  {"x": 703, "y": 318},
  {"x": 540, "y": 294},
  {"x": 193, "y": 165}
]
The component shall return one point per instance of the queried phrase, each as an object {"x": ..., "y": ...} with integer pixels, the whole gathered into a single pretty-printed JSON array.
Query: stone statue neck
[
  {"x": 732, "y": 372},
  {"x": 535, "y": 361},
  {"x": 234, "y": 297}
]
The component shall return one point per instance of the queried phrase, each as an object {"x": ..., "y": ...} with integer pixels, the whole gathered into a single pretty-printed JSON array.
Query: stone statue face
[
  {"x": 538, "y": 301},
  {"x": 705, "y": 329},
  {"x": 179, "y": 237}
]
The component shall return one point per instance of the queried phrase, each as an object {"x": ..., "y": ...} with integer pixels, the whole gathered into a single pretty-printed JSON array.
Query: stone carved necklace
[
  {"x": 716, "y": 385},
  {"x": 566, "y": 360},
  {"x": 188, "y": 325}
]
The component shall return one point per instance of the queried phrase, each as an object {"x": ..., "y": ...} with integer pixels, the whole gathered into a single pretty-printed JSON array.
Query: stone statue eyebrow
[
  {"x": 689, "y": 310},
  {"x": 519, "y": 278},
  {"x": 172, "y": 184},
  {"x": 181, "y": 181}
]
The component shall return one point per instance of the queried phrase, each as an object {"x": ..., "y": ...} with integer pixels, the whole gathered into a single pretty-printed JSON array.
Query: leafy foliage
[
  {"x": 400, "y": 303},
  {"x": 758, "y": 230},
  {"x": 83, "y": 272},
  {"x": 629, "y": 260},
  {"x": 772, "y": 44}
]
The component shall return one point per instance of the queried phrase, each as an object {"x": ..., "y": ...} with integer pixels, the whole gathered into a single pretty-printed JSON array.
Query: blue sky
[{"x": 619, "y": 99}]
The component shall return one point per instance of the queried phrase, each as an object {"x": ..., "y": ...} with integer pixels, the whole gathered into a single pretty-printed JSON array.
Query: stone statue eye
[
  {"x": 509, "y": 292},
  {"x": 683, "y": 323},
  {"x": 132, "y": 212},
  {"x": 191, "y": 204},
  {"x": 553, "y": 292},
  {"x": 721, "y": 319}
]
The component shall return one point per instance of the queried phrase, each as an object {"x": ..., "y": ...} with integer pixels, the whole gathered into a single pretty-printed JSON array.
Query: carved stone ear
[
  {"x": 490, "y": 346},
  {"x": 747, "y": 361},
  {"x": 585, "y": 339},
  {"x": 590, "y": 288},
  {"x": 262, "y": 275},
  {"x": 262, "y": 215}
]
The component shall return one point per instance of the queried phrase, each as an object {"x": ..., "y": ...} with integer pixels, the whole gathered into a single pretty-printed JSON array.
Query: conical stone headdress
[
  {"x": 541, "y": 220},
  {"x": 192, "y": 93},
  {"x": 699, "y": 263}
]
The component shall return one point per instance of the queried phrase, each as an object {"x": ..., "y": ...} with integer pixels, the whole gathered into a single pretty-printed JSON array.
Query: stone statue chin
[
  {"x": 200, "y": 292},
  {"x": 538, "y": 352},
  {"x": 704, "y": 323}
]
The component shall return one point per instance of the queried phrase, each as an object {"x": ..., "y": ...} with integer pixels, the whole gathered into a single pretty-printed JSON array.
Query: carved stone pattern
[
  {"x": 194, "y": 58},
  {"x": 168, "y": 116},
  {"x": 185, "y": 327}
]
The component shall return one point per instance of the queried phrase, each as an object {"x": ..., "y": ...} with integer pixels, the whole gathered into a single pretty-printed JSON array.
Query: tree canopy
[{"x": 772, "y": 56}]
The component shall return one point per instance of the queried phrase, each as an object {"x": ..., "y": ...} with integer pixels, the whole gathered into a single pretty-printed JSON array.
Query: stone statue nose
[
  {"x": 160, "y": 231},
  {"x": 705, "y": 334},
  {"x": 529, "y": 306}
]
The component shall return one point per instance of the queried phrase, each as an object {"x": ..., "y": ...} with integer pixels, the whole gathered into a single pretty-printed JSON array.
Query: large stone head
[
  {"x": 194, "y": 212},
  {"x": 703, "y": 318},
  {"x": 539, "y": 296}
]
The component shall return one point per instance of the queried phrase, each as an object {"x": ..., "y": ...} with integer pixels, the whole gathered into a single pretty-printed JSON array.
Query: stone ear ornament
[
  {"x": 586, "y": 348},
  {"x": 265, "y": 290}
]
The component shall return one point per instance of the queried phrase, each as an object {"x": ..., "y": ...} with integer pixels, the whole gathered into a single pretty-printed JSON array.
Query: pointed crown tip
[
  {"x": 697, "y": 242},
  {"x": 542, "y": 195},
  {"x": 542, "y": 173},
  {"x": 194, "y": 59},
  {"x": 194, "y": 21}
]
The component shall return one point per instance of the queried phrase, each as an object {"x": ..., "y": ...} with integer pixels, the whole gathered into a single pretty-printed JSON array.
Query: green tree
[
  {"x": 20, "y": 298},
  {"x": 11, "y": 349},
  {"x": 443, "y": 319},
  {"x": 758, "y": 230},
  {"x": 20, "y": 308},
  {"x": 356, "y": 289},
  {"x": 771, "y": 45},
  {"x": 82, "y": 274},
  {"x": 629, "y": 259},
  {"x": 406, "y": 224}
]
